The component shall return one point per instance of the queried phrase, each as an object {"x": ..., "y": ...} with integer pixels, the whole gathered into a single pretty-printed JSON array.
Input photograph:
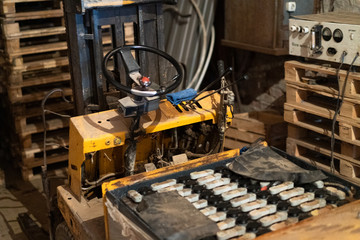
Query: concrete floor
[{"x": 18, "y": 196}]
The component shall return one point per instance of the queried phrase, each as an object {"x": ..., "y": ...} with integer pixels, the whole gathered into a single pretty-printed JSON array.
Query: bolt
[
  {"x": 117, "y": 141},
  {"x": 358, "y": 215},
  {"x": 107, "y": 142}
]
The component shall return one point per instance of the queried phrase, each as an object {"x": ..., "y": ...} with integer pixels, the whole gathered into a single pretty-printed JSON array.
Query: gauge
[
  {"x": 338, "y": 35},
  {"x": 326, "y": 33}
]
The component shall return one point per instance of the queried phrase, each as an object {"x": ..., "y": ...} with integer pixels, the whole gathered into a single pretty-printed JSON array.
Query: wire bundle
[{"x": 339, "y": 104}]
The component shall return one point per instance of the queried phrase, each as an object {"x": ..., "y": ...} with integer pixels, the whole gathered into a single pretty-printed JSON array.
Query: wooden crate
[
  {"x": 248, "y": 127},
  {"x": 316, "y": 149},
  {"x": 322, "y": 79}
]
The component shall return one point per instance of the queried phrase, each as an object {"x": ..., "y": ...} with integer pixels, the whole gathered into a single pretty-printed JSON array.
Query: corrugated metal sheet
[{"x": 183, "y": 36}]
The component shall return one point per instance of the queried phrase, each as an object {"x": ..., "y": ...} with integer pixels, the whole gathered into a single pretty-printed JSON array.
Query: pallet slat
[
  {"x": 43, "y": 64},
  {"x": 42, "y": 48},
  {"x": 32, "y": 33},
  {"x": 18, "y": 97}
]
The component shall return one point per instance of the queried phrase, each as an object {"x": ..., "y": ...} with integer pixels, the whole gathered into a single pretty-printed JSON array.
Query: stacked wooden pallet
[
  {"x": 34, "y": 61},
  {"x": 246, "y": 128},
  {"x": 311, "y": 99}
]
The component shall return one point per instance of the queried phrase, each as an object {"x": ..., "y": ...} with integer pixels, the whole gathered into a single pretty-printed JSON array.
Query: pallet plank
[
  {"x": 18, "y": 97},
  {"x": 42, "y": 32},
  {"x": 42, "y": 48}
]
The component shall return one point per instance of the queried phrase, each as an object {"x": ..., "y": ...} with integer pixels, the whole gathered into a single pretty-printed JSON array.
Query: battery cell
[
  {"x": 236, "y": 202},
  {"x": 231, "y": 233},
  {"x": 217, "y": 183},
  {"x": 275, "y": 218},
  {"x": 227, "y": 223},
  {"x": 309, "y": 206},
  {"x": 261, "y": 212},
  {"x": 301, "y": 199},
  {"x": 209, "y": 178},
  {"x": 167, "y": 183},
  {"x": 234, "y": 193},
  {"x": 225, "y": 188},
  {"x": 247, "y": 207},
  {"x": 217, "y": 217},
  {"x": 285, "y": 195},
  {"x": 135, "y": 196},
  {"x": 281, "y": 187},
  {"x": 196, "y": 175},
  {"x": 208, "y": 211}
]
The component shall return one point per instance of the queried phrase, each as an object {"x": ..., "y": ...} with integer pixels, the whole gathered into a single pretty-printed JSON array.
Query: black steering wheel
[{"x": 132, "y": 66}]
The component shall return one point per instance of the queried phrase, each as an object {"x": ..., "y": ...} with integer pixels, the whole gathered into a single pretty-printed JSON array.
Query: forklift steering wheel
[{"x": 132, "y": 66}]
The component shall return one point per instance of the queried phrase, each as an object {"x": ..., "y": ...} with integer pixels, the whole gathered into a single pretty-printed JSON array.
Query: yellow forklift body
[{"x": 105, "y": 131}]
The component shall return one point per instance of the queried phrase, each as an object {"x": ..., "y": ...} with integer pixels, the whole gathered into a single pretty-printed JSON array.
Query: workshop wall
[
  {"x": 265, "y": 88},
  {"x": 341, "y": 5}
]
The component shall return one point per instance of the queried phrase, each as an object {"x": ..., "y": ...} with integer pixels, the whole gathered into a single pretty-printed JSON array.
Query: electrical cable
[
  {"x": 44, "y": 111},
  {"x": 204, "y": 46},
  {"x": 44, "y": 177},
  {"x": 332, "y": 143},
  {"x": 208, "y": 58},
  {"x": 215, "y": 91},
  {"x": 338, "y": 107},
  {"x": 227, "y": 71},
  {"x": 100, "y": 179}
]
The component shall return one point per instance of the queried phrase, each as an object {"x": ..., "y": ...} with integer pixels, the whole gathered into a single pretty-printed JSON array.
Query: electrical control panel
[{"x": 326, "y": 36}]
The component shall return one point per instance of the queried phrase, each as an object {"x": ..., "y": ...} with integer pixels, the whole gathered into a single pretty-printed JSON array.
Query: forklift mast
[{"x": 95, "y": 27}]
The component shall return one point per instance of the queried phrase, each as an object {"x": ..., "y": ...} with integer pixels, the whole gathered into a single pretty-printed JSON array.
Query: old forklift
[
  {"x": 146, "y": 131},
  {"x": 149, "y": 140}
]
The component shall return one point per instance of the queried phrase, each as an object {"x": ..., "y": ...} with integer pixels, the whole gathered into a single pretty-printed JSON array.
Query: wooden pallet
[
  {"x": 27, "y": 170},
  {"x": 25, "y": 122},
  {"x": 34, "y": 131},
  {"x": 44, "y": 75},
  {"x": 12, "y": 31},
  {"x": 35, "y": 151},
  {"x": 322, "y": 78},
  {"x": 30, "y": 93},
  {"x": 33, "y": 109},
  {"x": 14, "y": 49},
  {"x": 246, "y": 128},
  {"x": 322, "y": 103},
  {"x": 316, "y": 149},
  {"x": 37, "y": 72},
  {"x": 322, "y": 124},
  {"x": 30, "y": 9},
  {"x": 35, "y": 61}
]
